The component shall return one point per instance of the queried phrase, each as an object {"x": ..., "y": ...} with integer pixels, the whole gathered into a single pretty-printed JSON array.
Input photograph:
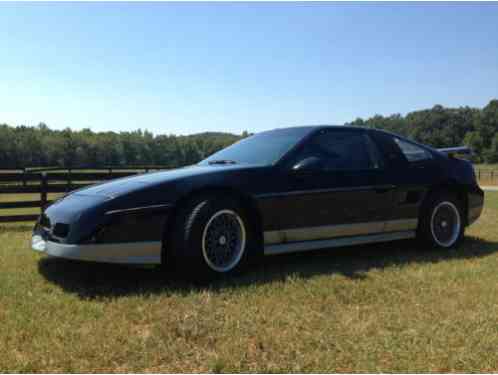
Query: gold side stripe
[
  {"x": 399, "y": 225},
  {"x": 334, "y": 231},
  {"x": 336, "y": 242}
]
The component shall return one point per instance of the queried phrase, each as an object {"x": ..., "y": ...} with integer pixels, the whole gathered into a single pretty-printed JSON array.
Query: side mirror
[{"x": 309, "y": 164}]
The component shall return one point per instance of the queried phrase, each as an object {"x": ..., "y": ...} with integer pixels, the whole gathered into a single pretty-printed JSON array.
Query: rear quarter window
[{"x": 412, "y": 152}]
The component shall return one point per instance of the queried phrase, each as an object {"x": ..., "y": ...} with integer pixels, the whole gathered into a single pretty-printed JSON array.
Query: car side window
[
  {"x": 413, "y": 153},
  {"x": 342, "y": 150}
]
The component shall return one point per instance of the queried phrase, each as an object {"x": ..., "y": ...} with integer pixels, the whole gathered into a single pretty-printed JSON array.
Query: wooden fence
[
  {"x": 487, "y": 176},
  {"x": 45, "y": 181}
]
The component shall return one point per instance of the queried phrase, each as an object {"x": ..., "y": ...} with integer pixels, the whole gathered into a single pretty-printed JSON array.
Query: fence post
[
  {"x": 24, "y": 176},
  {"x": 68, "y": 186},
  {"x": 43, "y": 191},
  {"x": 478, "y": 174}
]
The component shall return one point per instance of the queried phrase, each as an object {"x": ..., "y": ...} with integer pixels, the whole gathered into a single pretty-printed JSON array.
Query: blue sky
[{"x": 184, "y": 68}]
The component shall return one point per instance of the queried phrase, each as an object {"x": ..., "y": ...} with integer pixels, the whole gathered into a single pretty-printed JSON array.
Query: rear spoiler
[{"x": 456, "y": 151}]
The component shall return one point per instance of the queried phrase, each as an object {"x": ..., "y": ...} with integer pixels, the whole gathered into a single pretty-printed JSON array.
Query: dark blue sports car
[{"x": 280, "y": 191}]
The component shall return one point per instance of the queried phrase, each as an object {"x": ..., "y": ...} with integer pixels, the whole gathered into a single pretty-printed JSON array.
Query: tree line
[
  {"x": 446, "y": 127},
  {"x": 40, "y": 146}
]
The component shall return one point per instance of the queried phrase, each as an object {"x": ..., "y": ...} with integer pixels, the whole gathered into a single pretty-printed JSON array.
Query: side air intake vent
[{"x": 61, "y": 230}]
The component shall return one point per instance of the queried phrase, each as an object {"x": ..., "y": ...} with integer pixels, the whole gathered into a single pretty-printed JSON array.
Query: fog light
[{"x": 38, "y": 243}]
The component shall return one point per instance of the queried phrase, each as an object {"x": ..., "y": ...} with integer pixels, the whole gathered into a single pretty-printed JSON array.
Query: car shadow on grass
[{"x": 95, "y": 280}]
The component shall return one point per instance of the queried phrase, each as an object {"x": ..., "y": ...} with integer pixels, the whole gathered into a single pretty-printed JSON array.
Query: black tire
[
  {"x": 213, "y": 236},
  {"x": 441, "y": 221}
]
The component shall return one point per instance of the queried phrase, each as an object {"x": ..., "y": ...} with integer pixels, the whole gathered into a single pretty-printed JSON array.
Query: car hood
[{"x": 122, "y": 186}]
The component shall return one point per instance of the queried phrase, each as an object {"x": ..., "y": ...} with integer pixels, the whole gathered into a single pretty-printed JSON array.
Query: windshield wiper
[{"x": 222, "y": 162}]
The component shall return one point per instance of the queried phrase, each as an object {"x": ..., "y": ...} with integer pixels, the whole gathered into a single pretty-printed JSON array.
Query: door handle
[{"x": 383, "y": 188}]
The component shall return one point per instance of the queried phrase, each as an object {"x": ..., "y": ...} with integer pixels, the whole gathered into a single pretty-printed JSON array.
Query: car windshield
[{"x": 264, "y": 148}]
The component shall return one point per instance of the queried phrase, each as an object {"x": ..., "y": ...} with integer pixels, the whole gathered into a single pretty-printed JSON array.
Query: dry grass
[{"x": 389, "y": 308}]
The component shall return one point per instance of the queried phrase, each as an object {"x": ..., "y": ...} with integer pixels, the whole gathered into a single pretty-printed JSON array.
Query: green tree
[{"x": 41, "y": 146}]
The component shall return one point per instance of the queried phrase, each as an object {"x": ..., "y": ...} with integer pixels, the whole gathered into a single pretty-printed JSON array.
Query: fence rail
[
  {"x": 53, "y": 180},
  {"x": 487, "y": 176}
]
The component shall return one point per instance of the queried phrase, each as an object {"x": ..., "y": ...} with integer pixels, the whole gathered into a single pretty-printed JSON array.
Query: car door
[
  {"x": 412, "y": 169},
  {"x": 343, "y": 196}
]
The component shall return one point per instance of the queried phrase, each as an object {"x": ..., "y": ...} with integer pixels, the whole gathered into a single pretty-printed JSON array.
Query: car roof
[
  {"x": 319, "y": 127},
  {"x": 313, "y": 128}
]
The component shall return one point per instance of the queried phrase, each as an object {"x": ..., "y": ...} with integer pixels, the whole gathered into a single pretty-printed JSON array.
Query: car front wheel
[
  {"x": 223, "y": 240},
  {"x": 214, "y": 236}
]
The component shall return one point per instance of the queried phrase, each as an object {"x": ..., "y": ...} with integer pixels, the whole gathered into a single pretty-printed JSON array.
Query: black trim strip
[{"x": 321, "y": 191}]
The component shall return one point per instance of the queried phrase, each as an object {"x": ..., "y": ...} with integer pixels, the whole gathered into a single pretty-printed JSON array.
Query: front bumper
[
  {"x": 475, "y": 204},
  {"x": 122, "y": 253},
  {"x": 86, "y": 228}
]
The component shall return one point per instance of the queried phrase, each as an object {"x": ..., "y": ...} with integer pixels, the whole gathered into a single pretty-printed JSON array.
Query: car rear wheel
[
  {"x": 441, "y": 223},
  {"x": 213, "y": 236}
]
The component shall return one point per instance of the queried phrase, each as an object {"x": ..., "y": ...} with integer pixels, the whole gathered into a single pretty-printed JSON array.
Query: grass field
[{"x": 388, "y": 308}]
